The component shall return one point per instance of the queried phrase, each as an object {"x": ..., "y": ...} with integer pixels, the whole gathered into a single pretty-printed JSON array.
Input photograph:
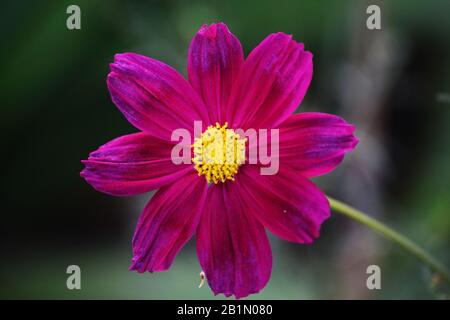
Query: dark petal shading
[
  {"x": 215, "y": 59},
  {"x": 272, "y": 83},
  {"x": 132, "y": 164},
  {"x": 232, "y": 246},
  {"x": 288, "y": 204},
  {"x": 154, "y": 97},
  {"x": 315, "y": 143},
  {"x": 169, "y": 220}
]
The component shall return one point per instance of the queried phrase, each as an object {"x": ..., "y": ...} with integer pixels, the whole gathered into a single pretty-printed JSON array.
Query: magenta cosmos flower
[{"x": 228, "y": 215}]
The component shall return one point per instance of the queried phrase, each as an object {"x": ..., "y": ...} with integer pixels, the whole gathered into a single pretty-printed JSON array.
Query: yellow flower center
[{"x": 218, "y": 153}]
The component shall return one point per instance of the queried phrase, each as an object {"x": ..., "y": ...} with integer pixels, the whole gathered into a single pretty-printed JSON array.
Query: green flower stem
[{"x": 391, "y": 234}]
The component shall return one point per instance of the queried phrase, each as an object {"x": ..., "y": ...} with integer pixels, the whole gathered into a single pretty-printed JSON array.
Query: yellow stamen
[{"x": 218, "y": 153}]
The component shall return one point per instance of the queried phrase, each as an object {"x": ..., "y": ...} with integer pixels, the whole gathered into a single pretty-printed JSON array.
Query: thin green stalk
[{"x": 391, "y": 234}]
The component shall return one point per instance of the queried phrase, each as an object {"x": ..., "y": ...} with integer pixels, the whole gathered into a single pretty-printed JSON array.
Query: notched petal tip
[
  {"x": 211, "y": 31},
  {"x": 83, "y": 172},
  {"x": 351, "y": 132},
  {"x": 214, "y": 61},
  {"x": 120, "y": 59},
  {"x": 238, "y": 294},
  {"x": 281, "y": 34},
  {"x": 141, "y": 268},
  {"x": 306, "y": 55},
  {"x": 136, "y": 266}
]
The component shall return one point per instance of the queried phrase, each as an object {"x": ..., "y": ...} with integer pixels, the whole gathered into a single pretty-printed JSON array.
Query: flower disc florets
[{"x": 218, "y": 153}]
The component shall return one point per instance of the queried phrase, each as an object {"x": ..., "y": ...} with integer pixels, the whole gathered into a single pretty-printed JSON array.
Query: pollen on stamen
[{"x": 218, "y": 153}]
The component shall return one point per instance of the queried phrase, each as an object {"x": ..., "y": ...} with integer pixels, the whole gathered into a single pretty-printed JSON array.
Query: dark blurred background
[{"x": 393, "y": 83}]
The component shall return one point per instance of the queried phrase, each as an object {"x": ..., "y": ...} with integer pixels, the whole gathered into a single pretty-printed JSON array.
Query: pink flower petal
[
  {"x": 315, "y": 143},
  {"x": 215, "y": 59},
  {"x": 272, "y": 83},
  {"x": 169, "y": 220},
  {"x": 154, "y": 97},
  {"x": 287, "y": 204},
  {"x": 132, "y": 164},
  {"x": 232, "y": 246}
]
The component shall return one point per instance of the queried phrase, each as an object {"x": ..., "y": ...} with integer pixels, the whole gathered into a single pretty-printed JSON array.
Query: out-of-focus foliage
[{"x": 55, "y": 109}]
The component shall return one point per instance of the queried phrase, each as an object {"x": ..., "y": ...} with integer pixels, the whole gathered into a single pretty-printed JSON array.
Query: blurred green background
[{"x": 393, "y": 84}]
